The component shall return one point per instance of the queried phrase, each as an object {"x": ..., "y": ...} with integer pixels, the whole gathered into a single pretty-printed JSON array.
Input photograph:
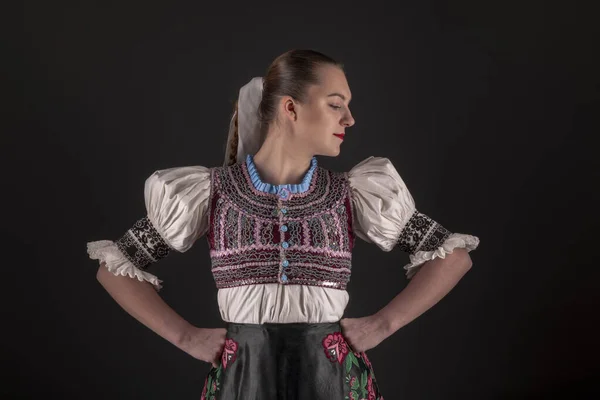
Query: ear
[{"x": 289, "y": 108}]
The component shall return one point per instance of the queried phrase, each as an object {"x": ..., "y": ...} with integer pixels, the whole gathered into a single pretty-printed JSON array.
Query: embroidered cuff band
[
  {"x": 142, "y": 244},
  {"x": 422, "y": 233}
]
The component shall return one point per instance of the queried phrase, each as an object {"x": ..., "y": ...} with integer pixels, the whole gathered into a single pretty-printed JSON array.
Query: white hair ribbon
[{"x": 250, "y": 137}]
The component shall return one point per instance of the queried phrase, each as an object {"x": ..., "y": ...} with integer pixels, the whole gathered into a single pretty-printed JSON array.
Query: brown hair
[{"x": 289, "y": 74}]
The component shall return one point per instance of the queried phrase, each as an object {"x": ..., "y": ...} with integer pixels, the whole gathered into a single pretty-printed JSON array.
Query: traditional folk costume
[{"x": 281, "y": 259}]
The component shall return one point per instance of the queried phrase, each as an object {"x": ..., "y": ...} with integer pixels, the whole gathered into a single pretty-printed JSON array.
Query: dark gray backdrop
[{"x": 481, "y": 106}]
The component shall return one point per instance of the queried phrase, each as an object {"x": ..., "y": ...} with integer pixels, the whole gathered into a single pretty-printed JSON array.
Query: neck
[{"x": 279, "y": 162}]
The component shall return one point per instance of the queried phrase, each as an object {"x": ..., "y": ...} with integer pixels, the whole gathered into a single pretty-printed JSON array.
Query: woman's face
[{"x": 322, "y": 120}]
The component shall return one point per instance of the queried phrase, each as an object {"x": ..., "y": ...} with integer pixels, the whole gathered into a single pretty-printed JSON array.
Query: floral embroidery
[
  {"x": 366, "y": 359},
  {"x": 360, "y": 380},
  {"x": 370, "y": 390},
  {"x": 336, "y": 347},
  {"x": 229, "y": 352},
  {"x": 212, "y": 384}
]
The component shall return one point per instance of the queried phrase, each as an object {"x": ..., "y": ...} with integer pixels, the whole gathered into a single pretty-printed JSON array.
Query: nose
[{"x": 348, "y": 120}]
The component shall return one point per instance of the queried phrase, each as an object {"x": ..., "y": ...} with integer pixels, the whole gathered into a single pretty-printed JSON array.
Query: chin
[{"x": 334, "y": 152}]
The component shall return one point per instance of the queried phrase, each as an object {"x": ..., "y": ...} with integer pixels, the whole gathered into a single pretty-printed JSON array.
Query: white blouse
[{"x": 177, "y": 203}]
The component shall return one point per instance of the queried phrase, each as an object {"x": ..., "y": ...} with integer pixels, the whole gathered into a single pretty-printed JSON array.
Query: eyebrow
[{"x": 337, "y": 94}]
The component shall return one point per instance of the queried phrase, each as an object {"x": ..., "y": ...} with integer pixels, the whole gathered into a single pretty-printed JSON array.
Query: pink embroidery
[
  {"x": 231, "y": 204},
  {"x": 250, "y": 184},
  {"x": 352, "y": 381},
  {"x": 239, "y": 230},
  {"x": 222, "y": 218},
  {"x": 221, "y": 253},
  {"x": 315, "y": 215},
  {"x": 241, "y": 218},
  {"x": 338, "y": 228},
  {"x": 336, "y": 347},
  {"x": 325, "y": 233},
  {"x": 306, "y": 232},
  {"x": 257, "y": 192},
  {"x": 259, "y": 280},
  {"x": 244, "y": 265},
  {"x": 312, "y": 186},
  {"x": 319, "y": 266},
  {"x": 229, "y": 353},
  {"x": 351, "y": 214},
  {"x": 329, "y": 252},
  {"x": 370, "y": 389},
  {"x": 304, "y": 248},
  {"x": 257, "y": 225},
  {"x": 317, "y": 201}
]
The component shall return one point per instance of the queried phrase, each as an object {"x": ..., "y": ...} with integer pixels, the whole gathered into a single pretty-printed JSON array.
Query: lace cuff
[
  {"x": 452, "y": 241},
  {"x": 425, "y": 239},
  {"x": 108, "y": 252},
  {"x": 139, "y": 247}
]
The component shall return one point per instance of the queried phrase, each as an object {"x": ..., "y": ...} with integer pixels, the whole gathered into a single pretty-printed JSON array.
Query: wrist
[
  {"x": 184, "y": 337},
  {"x": 385, "y": 325}
]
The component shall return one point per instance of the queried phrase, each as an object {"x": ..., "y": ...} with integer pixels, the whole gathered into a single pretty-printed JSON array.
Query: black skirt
[{"x": 295, "y": 361}]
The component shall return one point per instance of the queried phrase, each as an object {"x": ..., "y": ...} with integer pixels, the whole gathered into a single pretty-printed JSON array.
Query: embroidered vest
[{"x": 288, "y": 238}]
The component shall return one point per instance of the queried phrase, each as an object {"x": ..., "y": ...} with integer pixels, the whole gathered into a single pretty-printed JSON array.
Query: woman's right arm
[
  {"x": 141, "y": 300},
  {"x": 176, "y": 202}
]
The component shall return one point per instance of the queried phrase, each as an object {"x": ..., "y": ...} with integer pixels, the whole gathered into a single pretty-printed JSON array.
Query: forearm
[
  {"x": 430, "y": 284},
  {"x": 141, "y": 301}
]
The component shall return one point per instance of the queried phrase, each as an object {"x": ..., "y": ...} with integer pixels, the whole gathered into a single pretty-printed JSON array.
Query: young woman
[{"x": 281, "y": 230}]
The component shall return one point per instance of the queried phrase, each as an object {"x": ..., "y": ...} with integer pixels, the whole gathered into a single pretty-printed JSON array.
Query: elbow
[
  {"x": 101, "y": 273},
  {"x": 462, "y": 260},
  {"x": 466, "y": 261}
]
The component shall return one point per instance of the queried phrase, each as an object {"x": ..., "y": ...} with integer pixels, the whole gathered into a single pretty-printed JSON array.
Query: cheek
[
  {"x": 318, "y": 123},
  {"x": 316, "y": 117},
  {"x": 324, "y": 119}
]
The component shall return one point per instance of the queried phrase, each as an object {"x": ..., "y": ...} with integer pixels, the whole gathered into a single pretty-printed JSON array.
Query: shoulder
[
  {"x": 372, "y": 164},
  {"x": 173, "y": 173},
  {"x": 178, "y": 181},
  {"x": 377, "y": 178}
]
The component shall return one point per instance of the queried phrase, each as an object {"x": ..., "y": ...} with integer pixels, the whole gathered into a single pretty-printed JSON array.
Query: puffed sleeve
[
  {"x": 385, "y": 214},
  {"x": 176, "y": 205}
]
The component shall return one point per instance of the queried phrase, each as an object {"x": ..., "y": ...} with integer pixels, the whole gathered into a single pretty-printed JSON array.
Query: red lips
[{"x": 340, "y": 135}]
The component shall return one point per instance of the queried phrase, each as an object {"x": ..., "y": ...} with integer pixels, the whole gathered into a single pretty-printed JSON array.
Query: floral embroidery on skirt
[
  {"x": 360, "y": 380},
  {"x": 212, "y": 383},
  {"x": 274, "y": 361},
  {"x": 229, "y": 352}
]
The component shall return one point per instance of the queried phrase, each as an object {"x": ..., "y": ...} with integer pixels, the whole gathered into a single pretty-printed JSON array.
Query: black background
[{"x": 483, "y": 107}]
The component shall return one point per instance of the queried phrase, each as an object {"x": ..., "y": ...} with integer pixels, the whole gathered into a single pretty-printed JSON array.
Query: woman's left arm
[
  {"x": 434, "y": 280},
  {"x": 384, "y": 213},
  {"x": 428, "y": 286}
]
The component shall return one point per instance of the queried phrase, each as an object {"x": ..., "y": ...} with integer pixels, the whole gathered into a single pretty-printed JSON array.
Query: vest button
[
  {"x": 285, "y": 245},
  {"x": 283, "y": 193},
  {"x": 284, "y": 210},
  {"x": 284, "y": 277},
  {"x": 285, "y": 263},
  {"x": 283, "y": 228}
]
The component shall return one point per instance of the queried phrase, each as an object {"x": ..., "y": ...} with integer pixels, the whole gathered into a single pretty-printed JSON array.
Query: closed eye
[{"x": 334, "y": 106}]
